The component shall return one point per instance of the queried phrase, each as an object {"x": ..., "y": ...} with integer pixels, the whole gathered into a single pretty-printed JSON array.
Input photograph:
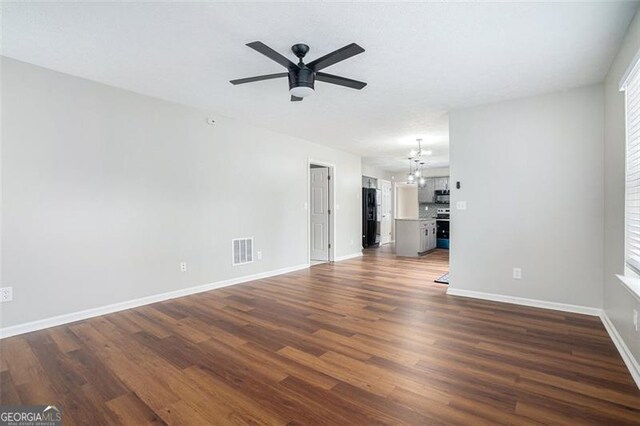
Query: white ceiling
[{"x": 421, "y": 59}]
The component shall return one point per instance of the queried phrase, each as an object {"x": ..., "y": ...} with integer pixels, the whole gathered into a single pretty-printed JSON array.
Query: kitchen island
[{"x": 415, "y": 236}]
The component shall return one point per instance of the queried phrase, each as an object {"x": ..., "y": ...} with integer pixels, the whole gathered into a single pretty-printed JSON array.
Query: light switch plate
[
  {"x": 461, "y": 205},
  {"x": 517, "y": 273}
]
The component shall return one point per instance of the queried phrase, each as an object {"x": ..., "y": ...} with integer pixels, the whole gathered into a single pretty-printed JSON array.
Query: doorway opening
[
  {"x": 321, "y": 219},
  {"x": 377, "y": 212},
  {"x": 423, "y": 220}
]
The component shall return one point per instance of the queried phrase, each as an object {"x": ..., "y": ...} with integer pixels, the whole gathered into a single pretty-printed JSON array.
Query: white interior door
[
  {"x": 385, "y": 222},
  {"x": 319, "y": 194}
]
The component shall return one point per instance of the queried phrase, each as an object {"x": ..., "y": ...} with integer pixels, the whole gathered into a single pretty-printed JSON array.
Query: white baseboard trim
[
  {"x": 349, "y": 256},
  {"x": 625, "y": 352},
  {"x": 121, "y": 306},
  {"x": 577, "y": 309}
]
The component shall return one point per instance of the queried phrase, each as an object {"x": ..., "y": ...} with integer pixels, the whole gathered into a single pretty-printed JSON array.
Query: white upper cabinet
[
  {"x": 442, "y": 183},
  {"x": 426, "y": 194}
]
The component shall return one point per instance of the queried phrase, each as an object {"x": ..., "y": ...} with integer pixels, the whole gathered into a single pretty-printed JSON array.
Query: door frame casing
[{"x": 332, "y": 203}]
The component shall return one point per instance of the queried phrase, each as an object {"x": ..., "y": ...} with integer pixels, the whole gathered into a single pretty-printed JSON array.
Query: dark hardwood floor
[{"x": 365, "y": 341}]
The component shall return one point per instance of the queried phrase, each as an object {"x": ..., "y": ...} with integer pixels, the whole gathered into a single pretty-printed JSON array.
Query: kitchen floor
[{"x": 437, "y": 259}]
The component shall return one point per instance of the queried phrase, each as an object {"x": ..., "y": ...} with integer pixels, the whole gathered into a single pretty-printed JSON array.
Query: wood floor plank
[
  {"x": 371, "y": 340},
  {"x": 242, "y": 407},
  {"x": 8, "y": 392},
  {"x": 21, "y": 361},
  {"x": 132, "y": 411}
]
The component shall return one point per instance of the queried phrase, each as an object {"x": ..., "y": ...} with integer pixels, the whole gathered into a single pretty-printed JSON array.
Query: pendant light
[
  {"x": 410, "y": 177},
  {"x": 416, "y": 166},
  {"x": 418, "y": 153},
  {"x": 422, "y": 181}
]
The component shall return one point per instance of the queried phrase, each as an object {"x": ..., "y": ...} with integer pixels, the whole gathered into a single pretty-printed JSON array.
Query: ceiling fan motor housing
[{"x": 302, "y": 77}]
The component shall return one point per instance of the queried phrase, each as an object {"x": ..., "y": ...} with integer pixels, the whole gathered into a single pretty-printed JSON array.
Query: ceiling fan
[{"x": 302, "y": 76}]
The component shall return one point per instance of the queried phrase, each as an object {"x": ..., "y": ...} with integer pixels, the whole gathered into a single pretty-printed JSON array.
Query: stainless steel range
[
  {"x": 442, "y": 221},
  {"x": 443, "y": 213}
]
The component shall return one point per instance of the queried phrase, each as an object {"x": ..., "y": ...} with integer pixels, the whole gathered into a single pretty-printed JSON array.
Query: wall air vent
[{"x": 242, "y": 251}]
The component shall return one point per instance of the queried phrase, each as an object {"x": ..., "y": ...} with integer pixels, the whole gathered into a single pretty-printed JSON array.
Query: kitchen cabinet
[
  {"x": 428, "y": 237},
  {"x": 415, "y": 236},
  {"x": 424, "y": 237},
  {"x": 426, "y": 193},
  {"x": 433, "y": 236},
  {"x": 441, "y": 183}
]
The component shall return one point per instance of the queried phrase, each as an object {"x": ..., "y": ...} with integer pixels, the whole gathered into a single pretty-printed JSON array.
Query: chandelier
[{"x": 416, "y": 166}]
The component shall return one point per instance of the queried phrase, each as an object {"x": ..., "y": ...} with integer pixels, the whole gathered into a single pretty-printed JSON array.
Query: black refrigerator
[{"x": 369, "y": 218}]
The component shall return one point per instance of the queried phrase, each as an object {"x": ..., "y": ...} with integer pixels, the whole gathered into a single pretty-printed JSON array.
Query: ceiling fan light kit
[
  {"x": 302, "y": 77},
  {"x": 301, "y": 82}
]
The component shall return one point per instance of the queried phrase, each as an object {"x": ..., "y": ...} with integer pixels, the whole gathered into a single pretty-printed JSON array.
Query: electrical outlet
[
  {"x": 183, "y": 266},
  {"x": 352, "y": 241},
  {"x": 635, "y": 319},
  {"x": 259, "y": 254},
  {"x": 517, "y": 273},
  {"x": 6, "y": 294},
  {"x": 461, "y": 205}
]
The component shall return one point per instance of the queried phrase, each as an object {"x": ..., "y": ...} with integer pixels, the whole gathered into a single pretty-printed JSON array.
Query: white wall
[
  {"x": 532, "y": 175},
  {"x": 406, "y": 201},
  {"x": 105, "y": 192},
  {"x": 374, "y": 172},
  {"x": 618, "y": 301}
]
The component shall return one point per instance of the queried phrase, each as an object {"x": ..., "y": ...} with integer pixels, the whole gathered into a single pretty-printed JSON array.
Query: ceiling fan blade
[
  {"x": 335, "y": 56},
  {"x": 340, "y": 81},
  {"x": 259, "y": 78},
  {"x": 295, "y": 99},
  {"x": 260, "y": 47}
]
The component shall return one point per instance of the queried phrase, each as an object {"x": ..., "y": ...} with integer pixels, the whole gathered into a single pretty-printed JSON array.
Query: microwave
[{"x": 441, "y": 196}]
